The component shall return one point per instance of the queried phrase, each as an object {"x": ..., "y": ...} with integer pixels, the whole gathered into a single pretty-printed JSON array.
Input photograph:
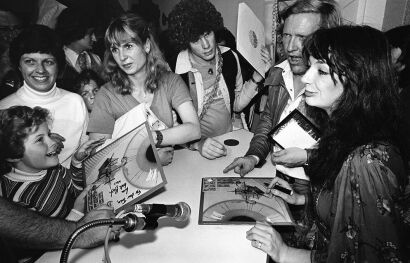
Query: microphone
[{"x": 180, "y": 212}]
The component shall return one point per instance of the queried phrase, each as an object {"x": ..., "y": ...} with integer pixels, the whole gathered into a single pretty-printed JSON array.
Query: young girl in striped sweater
[{"x": 31, "y": 173}]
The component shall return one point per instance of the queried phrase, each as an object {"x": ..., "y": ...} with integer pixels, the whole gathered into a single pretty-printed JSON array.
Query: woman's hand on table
[
  {"x": 242, "y": 165},
  {"x": 292, "y": 198},
  {"x": 264, "y": 237},
  {"x": 290, "y": 157}
]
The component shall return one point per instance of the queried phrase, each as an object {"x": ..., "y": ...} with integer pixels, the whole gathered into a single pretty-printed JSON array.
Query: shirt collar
[
  {"x": 183, "y": 64},
  {"x": 286, "y": 78},
  {"x": 35, "y": 93},
  {"x": 21, "y": 176},
  {"x": 275, "y": 79},
  {"x": 70, "y": 55}
]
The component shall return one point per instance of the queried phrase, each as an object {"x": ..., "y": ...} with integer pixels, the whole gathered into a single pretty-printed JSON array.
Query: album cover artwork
[
  {"x": 250, "y": 37},
  {"x": 295, "y": 131},
  {"x": 233, "y": 200},
  {"x": 127, "y": 169}
]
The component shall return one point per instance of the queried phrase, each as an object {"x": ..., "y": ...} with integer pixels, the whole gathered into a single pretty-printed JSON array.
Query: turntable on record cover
[{"x": 233, "y": 200}]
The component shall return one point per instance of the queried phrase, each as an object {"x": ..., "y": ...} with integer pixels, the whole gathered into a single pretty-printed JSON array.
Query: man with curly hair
[{"x": 212, "y": 72}]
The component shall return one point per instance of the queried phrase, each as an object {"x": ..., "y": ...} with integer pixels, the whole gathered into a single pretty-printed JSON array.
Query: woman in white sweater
[{"x": 37, "y": 53}]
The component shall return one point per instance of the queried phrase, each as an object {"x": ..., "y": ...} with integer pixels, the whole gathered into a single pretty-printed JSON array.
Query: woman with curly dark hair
[
  {"x": 357, "y": 171},
  {"x": 138, "y": 74},
  {"x": 212, "y": 72}
]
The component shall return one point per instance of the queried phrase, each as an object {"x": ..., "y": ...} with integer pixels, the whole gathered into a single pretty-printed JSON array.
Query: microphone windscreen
[{"x": 185, "y": 212}]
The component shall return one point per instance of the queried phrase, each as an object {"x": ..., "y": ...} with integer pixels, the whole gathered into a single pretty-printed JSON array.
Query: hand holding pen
[{"x": 281, "y": 188}]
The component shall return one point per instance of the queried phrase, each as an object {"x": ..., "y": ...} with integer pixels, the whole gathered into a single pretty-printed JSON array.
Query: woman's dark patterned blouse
[{"x": 362, "y": 218}]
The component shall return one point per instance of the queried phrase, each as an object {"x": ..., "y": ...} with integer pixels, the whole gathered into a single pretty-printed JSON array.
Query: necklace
[{"x": 214, "y": 92}]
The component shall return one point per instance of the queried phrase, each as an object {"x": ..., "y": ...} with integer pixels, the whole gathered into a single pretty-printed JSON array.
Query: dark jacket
[{"x": 269, "y": 118}]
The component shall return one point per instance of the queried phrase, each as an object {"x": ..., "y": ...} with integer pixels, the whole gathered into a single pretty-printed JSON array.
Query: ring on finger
[{"x": 258, "y": 244}]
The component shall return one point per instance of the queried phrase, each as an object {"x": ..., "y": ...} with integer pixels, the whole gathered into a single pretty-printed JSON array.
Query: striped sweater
[{"x": 51, "y": 192}]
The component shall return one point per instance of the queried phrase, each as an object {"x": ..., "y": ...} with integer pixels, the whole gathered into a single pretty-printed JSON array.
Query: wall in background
[
  {"x": 395, "y": 13},
  {"x": 228, "y": 9},
  {"x": 381, "y": 14}
]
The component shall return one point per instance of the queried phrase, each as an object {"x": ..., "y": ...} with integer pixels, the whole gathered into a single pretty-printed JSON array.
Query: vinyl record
[
  {"x": 238, "y": 211},
  {"x": 140, "y": 168}
]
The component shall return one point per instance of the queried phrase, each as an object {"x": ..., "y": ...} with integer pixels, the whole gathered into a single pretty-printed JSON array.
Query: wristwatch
[{"x": 159, "y": 138}]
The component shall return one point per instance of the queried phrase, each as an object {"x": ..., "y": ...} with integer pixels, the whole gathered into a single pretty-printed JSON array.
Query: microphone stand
[{"x": 130, "y": 223}]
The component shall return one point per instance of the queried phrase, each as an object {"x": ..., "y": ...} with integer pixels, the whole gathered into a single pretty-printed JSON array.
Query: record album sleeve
[
  {"x": 295, "y": 131},
  {"x": 233, "y": 200},
  {"x": 250, "y": 37},
  {"x": 125, "y": 171}
]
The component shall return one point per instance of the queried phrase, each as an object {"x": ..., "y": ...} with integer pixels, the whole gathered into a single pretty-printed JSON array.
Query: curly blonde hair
[{"x": 140, "y": 31}]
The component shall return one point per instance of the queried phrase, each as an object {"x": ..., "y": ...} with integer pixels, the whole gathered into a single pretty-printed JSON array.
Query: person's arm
[
  {"x": 188, "y": 131},
  {"x": 177, "y": 93},
  {"x": 242, "y": 165},
  {"x": 85, "y": 118},
  {"x": 96, "y": 136},
  {"x": 76, "y": 177},
  {"x": 102, "y": 121},
  {"x": 264, "y": 237},
  {"x": 245, "y": 91},
  {"x": 26, "y": 229},
  {"x": 290, "y": 157},
  {"x": 209, "y": 148},
  {"x": 260, "y": 145}
]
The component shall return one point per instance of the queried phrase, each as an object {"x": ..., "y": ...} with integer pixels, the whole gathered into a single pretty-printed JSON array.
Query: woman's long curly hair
[
  {"x": 190, "y": 19},
  {"x": 368, "y": 110},
  {"x": 132, "y": 26}
]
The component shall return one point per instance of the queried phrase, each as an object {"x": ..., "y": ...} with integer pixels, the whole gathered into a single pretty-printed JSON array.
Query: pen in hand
[{"x": 276, "y": 186}]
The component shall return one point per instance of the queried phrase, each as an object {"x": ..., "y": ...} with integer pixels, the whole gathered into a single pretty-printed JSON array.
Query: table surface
[{"x": 184, "y": 241}]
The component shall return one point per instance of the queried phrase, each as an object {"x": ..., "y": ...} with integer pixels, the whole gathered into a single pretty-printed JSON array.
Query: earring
[{"x": 147, "y": 46}]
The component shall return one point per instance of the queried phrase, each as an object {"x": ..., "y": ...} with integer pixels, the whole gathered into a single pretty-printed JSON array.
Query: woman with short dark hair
[{"x": 37, "y": 53}]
